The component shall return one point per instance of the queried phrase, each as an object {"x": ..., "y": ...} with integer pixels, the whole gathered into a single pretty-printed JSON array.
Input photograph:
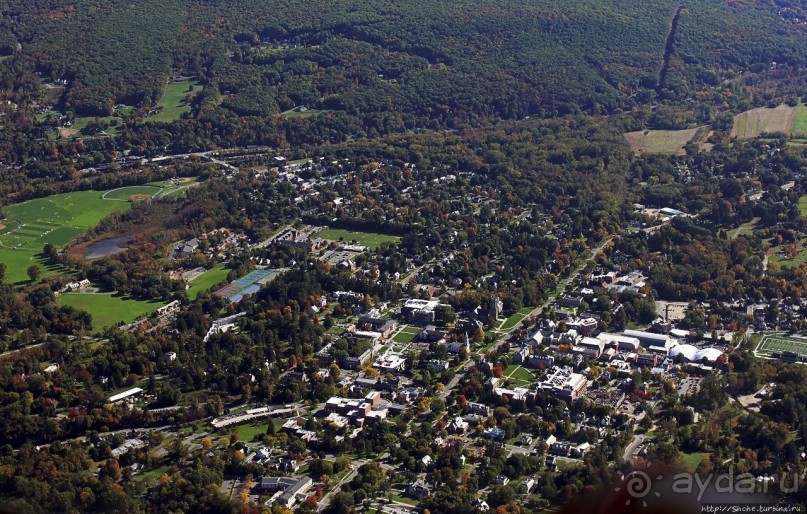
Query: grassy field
[
  {"x": 751, "y": 124},
  {"x": 114, "y": 122},
  {"x": 744, "y": 229},
  {"x": 785, "y": 259},
  {"x": 124, "y": 193},
  {"x": 176, "y": 101},
  {"x": 778, "y": 343},
  {"x": 248, "y": 432},
  {"x": 371, "y": 240},
  {"x": 666, "y": 142},
  {"x": 691, "y": 460},
  {"x": 57, "y": 220},
  {"x": 407, "y": 335},
  {"x": 515, "y": 319},
  {"x": 518, "y": 374},
  {"x": 803, "y": 206},
  {"x": 206, "y": 280},
  {"x": 800, "y": 121},
  {"x": 108, "y": 309},
  {"x": 152, "y": 474}
]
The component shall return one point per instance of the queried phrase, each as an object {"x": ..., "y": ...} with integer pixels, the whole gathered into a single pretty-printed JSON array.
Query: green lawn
[
  {"x": 691, "y": 460},
  {"x": 247, "y": 432},
  {"x": 785, "y": 260},
  {"x": 371, "y": 240},
  {"x": 745, "y": 228},
  {"x": 176, "y": 101},
  {"x": 803, "y": 206},
  {"x": 404, "y": 337},
  {"x": 336, "y": 330},
  {"x": 152, "y": 474},
  {"x": 515, "y": 319},
  {"x": 107, "y": 309},
  {"x": 206, "y": 280},
  {"x": 113, "y": 122},
  {"x": 518, "y": 373},
  {"x": 56, "y": 219}
]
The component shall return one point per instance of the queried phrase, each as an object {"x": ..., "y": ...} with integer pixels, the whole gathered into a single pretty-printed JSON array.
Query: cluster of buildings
[
  {"x": 288, "y": 491},
  {"x": 222, "y": 244},
  {"x": 73, "y": 287},
  {"x": 630, "y": 349},
  {"x": 350, "y": 411}
]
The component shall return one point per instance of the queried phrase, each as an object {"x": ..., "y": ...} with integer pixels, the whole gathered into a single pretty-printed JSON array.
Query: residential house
[
  {"x": 479, "y": 408},
  {"x": 501, "y": 480},
  {"x": 419, "y": 489}
]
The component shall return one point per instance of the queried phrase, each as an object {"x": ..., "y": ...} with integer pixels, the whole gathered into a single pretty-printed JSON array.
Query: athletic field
[{"x": 778, "y": 343}]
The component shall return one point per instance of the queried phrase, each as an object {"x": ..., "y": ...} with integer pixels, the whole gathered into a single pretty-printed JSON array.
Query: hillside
[{"x": 445, "y": 62}]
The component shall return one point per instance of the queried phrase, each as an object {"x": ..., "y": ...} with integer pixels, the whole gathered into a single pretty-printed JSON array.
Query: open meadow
[
  {"x": 107, "y": 309},
  {"x": 753, "y": 123},
  {"x": 666, "y": 142},
  {"x": 176, "y": 101},
  {"x": 799, "y": 127}
]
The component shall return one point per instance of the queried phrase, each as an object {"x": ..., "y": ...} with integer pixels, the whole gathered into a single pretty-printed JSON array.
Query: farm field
[
  {"x": 108, "y": 309},
  {"x": 779, "y": 343},
  {"x": 753, "y": 123},
  {"x": 176, "y": 101},
  {"x": 666, "y": 142},
  {"x": 371, "y": 240},
  {"x": 206, "y": 280},
  {"x": 800, "y": 120}
]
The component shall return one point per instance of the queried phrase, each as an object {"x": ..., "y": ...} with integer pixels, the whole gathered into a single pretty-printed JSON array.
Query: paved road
[
  {"x": 326, "y": 500},
  {"x": 507, "y": 333},
  {"x": 629, "y": 451}
]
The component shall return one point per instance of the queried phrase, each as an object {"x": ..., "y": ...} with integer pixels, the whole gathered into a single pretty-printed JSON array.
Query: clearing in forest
[
  {"x": 800, "y": 120},
  {"x": 667, "y": 142},
  {"x": 753, "y": 123}
]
